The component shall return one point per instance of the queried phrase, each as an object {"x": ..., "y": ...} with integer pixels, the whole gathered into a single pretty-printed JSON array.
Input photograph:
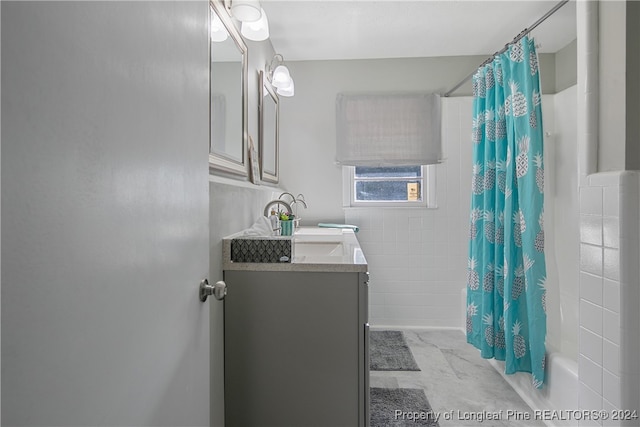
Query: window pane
[
  {"x": 385, "y": 172},
  {"x": 386, "y": 190}
]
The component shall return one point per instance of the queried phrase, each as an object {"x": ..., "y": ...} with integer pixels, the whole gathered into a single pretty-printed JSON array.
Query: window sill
[{"x": 390, "y": 207}]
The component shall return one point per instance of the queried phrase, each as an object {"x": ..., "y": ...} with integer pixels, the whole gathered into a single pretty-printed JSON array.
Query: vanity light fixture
[
  {"x": 257, "y": 30},
  {"x": 246, "y": 10},
  {"x": 280, "y": 77},
  {"x": 286, "y": 90},
  {"x": 218, "y": 31}
]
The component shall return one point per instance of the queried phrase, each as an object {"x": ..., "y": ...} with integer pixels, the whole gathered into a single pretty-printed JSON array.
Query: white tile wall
[
  {"x": 609, "y": 346},
  {"x": 418, "y": 257}
]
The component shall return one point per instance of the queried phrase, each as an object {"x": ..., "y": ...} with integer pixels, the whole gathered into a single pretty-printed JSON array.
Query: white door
[{"x": 105, "y": 233}]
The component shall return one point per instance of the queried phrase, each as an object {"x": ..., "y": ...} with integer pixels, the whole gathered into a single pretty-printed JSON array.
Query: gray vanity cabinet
[{"x": 296, "y": 349}]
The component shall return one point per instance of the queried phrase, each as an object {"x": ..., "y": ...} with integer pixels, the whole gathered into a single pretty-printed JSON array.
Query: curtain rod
[{"x": 506, "y": 46}]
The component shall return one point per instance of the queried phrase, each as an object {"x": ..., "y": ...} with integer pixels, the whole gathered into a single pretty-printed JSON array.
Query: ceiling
[{"x": 361, "y": 29}]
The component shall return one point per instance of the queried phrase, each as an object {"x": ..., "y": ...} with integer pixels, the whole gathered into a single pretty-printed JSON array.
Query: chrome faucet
[
  {"x": 294, "y": 204},
  {"x": 286, "y": 193},
  {"x": 274, "y": 203}
]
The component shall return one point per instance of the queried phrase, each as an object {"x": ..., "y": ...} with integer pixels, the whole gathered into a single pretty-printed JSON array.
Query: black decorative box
[{"x": 256, "y": 249}]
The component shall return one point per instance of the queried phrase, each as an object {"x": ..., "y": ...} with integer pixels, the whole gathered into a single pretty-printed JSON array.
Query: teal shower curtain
[{"x": 506, "y": 310}]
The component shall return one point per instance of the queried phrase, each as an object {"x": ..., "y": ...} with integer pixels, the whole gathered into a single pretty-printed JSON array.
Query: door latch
[{"x": 219, "y": 290}]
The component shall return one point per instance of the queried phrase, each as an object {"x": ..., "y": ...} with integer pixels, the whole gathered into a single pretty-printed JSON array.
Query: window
[{"x": 395, "y": 186}]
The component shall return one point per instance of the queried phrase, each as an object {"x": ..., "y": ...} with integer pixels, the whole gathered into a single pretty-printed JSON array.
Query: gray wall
[
  {"x": 633, "y": 87},
  {"x": 566, "y": 66},
  {"x": 619, "y": 88},
  {"x": 307, "y": 132},
  {"x": 619, "y": 64},
  {"x": 612, "y": 64}
]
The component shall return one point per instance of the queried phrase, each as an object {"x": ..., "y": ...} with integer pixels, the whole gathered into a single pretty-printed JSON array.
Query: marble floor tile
[{"x": 462, "y": 387}]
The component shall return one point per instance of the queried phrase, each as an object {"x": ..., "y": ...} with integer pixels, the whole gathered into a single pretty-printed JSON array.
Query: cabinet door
[{"x": 292, "y": 349}]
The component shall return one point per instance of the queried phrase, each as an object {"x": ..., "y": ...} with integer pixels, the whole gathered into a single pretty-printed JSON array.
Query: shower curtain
[{"x": 506, "y": 310}]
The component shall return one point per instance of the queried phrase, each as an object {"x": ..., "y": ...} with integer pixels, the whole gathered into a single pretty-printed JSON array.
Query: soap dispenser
[{"x": 273, "y": 219}]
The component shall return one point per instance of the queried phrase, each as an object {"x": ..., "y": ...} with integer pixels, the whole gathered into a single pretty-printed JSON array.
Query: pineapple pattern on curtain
[{"x": 506, "y": 295}]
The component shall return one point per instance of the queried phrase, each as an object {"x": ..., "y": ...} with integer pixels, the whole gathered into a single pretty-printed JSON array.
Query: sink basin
[
  {"x": 318, "y": 249},
  {"x": 317, "y": 231},
  {"x": 317, "y": 234}
]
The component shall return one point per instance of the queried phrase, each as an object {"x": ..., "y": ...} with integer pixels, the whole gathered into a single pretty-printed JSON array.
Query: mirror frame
[
  {"x": 265, "y": 89},
  {"x": 219, "y": 161}
]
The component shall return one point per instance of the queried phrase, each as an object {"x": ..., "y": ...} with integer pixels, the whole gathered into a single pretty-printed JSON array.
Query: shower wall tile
[
  {"x": 611, "y": 326},
  {"x": 611, "y": 264},
  {"x": 591, "y": 259},
  {"x": 611, "y": 388},
  {"x": 418, "y": 257},
  {"x": 610, "y": 356},
  {"x": 611, "y": 295},
  {"x": 591, "y": 200},
  {"x": 607, "y": 406},
  {"x": 611, "y": 232},
  {"x": 607, "y": 303},
  {"x": 610, "y": 206},
  {"x": 591, "y": 345},
  {"x": 605, "y": 179},
  {"x": 591, "y": 229},
  {"x": 591, "y": 317},
  {"x": 589, "y": 399},
  {"x": 590, "y": 374},
  {"x": 591, "y": 288}
]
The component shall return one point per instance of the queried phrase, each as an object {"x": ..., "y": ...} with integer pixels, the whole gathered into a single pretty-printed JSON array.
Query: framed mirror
[
  {"x": 227, "y": 93},
  {"x": 268, "y": 125}
]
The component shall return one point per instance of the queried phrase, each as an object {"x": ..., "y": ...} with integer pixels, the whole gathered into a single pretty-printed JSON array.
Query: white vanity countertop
[{"x": 313, "y": 249}]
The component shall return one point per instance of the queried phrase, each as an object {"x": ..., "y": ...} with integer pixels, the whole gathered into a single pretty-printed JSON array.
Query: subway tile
[
  {"x": 611, "y": 356},
  {"x": 629, "y": 255},
  {"x": 428, "y": 301},
  {"x": 591, "y": 259},
  {"x": 610, "y": 326},
  {"x": 377, "y": 311},
  {"x": 589, "y": 399},
  {"x": 629, "y": 205},
  {"x": 611, "y": 232},
  {"x": 611, "y": 264},
  {"x": 629, "y": 348},
  {"x": 588, "y": 423},
  {"x": 591, "y": 229},
  {"x": 591, "y": 316},
  {"x": 591, "y": 288},
  {"x": 629, "y": 391},
  {"x": 591, "y": 345},
  {"x": 590, "y": 374},
  {"x": 591, "y": 200},
  {"x": 415, "y": 223},
  {"x": 611, "y": 295},
  {"x": 376, "y": 298},
  {"x": 611, "y": 388},
  {"x": 607, "y": 406},
  {"x": 389, "y": 234},
  {"x": 404, "y": 313},
  {"x": 630, "y": 180},
  {"x": 605, "y": 179},
  {"x": 611, "y": 201}
]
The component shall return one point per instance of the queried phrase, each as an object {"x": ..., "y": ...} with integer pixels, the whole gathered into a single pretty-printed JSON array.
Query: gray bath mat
[
  {"x": 389, "y": 351},
  {"x": 397, "y": 407}
]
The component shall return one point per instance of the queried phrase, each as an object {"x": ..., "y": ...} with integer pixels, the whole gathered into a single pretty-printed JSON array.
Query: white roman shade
[{"x": 388, "y": 129}]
